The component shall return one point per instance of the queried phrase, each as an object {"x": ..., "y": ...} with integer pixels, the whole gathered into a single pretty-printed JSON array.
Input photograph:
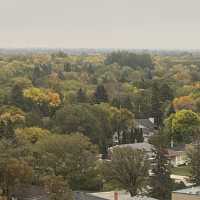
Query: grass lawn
[{"x": 181, "y": 171}]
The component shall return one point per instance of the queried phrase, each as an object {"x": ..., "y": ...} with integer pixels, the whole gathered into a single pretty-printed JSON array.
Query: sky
[{"x": 135, "y": 24}]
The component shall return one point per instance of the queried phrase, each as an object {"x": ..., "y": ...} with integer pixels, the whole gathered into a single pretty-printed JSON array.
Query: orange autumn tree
[
  {"x": 183, "y": 102},
  {"x": 44, "y": 99}
]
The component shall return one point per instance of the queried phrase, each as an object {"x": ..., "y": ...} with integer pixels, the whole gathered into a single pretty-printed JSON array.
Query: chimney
[{"x": 116, "y": 196}]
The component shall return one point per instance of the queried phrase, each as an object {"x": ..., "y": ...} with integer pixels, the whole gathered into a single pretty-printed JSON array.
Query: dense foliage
[{"x": 58, "y": 112}]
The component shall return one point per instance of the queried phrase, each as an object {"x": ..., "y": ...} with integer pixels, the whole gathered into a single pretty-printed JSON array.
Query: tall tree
[
  {"x": 71, "y": 156},
  {"x": 81, "y": 96},
  {"x": 182, "y": 125},
  {"x": 194, "y": 158},
  {"x": 100, "y": 94},
  {"x": 166, "y": 93},
  {"x": 156, "y": 104},
  {"x": 129, "y": 168},
  {"x": 160, "y": 181}
]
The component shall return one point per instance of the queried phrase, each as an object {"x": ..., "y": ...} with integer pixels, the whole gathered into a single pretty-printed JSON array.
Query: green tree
[
  {"x": 100, "y": 94},
  {"x": 90, "y": 120},
  {"x": 160, "y": 182},
  {"x": 194, "y": 159},
  {"x": 81, "y": 96},
  {"x": 17, "y": 92},
  {"x": 15, "y": 168},
  {"x": 71, "y": 156},
  {"x": 166, "y": 93},
  {"x": 129, "y": 168},
  {"x": 57, "y": 188},
  {"x": 182, "y": 125},
  {"x": 156, "y": 104},
  {"x": 31, "y": 134}
]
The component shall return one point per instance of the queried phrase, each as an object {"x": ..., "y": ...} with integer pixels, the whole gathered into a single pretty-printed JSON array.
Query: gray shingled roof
[{"x": 146, "y": 123}]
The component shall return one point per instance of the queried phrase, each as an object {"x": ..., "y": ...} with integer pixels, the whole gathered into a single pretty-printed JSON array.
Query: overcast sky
[{"x": 166, "y": 24}]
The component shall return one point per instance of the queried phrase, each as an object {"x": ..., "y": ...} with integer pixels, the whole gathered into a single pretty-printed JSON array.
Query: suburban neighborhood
[{"x": 99, "y": 100}]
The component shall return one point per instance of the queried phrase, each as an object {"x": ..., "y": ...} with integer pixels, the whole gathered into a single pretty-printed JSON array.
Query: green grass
[{"x": 181, "y": 171}]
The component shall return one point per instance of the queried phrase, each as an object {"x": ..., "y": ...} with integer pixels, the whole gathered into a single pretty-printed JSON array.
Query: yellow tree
[
  {"x": 10, "y": 118},
  {"x": 44, "y": 99},
  {"x": 31, "y": 134}
]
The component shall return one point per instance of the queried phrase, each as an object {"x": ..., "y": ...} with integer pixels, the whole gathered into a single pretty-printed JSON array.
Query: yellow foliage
[
  {"x": 11, "y": 115},
  {"x": 42, "y": 96},
  {"x": 32, "y": 134}
]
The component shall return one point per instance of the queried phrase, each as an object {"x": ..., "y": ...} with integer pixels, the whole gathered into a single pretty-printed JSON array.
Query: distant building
[
  {"x": 140, "y": 146},
  {"x": 192, "y": 193},
  {"x": 122, "y": 195}
]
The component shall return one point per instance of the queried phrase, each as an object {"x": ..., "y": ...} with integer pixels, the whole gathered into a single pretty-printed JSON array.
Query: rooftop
[
  {"x": 108, "y": 196},
  {"x": 191, "y": 190},
  {"x": 146, "y": 123},
  {"x": 141, "y": 146}
]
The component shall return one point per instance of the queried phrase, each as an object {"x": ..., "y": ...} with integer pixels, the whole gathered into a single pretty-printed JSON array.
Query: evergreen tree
[
  {"x": 169, "y": 110},
  {"x": 160, "y": 182},
  {"x": 194, "y": 157},
  {"x": 166, "y": 93},
  {"x": 67, "y": 67},
  {"x": 127, "y": 103},
  {"x": 81, "y": 96},
  {"x": 116, "y": 102},
  {"x": 100, "y": 94},
  {"x": 156, "y": 104},
  {"x": 139, "y": 135}
]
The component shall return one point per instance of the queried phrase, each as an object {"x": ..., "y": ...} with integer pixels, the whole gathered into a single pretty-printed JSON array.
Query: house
[
  {"x": 137, "y": 146},
  {"x": 121, "y": 195},
  {"x": 192, "y": 193},
  {"x": 177, "y": 157},
  {"x": 147, "y": 127}
]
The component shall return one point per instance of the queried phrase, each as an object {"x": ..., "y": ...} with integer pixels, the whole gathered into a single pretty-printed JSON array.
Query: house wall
[
  {"x": 179, "y": 160},
  {"x": 179, "y": 196}
]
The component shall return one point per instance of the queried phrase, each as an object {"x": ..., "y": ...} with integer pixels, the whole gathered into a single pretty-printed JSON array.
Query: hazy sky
[{"x": 100, "y": 23}]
